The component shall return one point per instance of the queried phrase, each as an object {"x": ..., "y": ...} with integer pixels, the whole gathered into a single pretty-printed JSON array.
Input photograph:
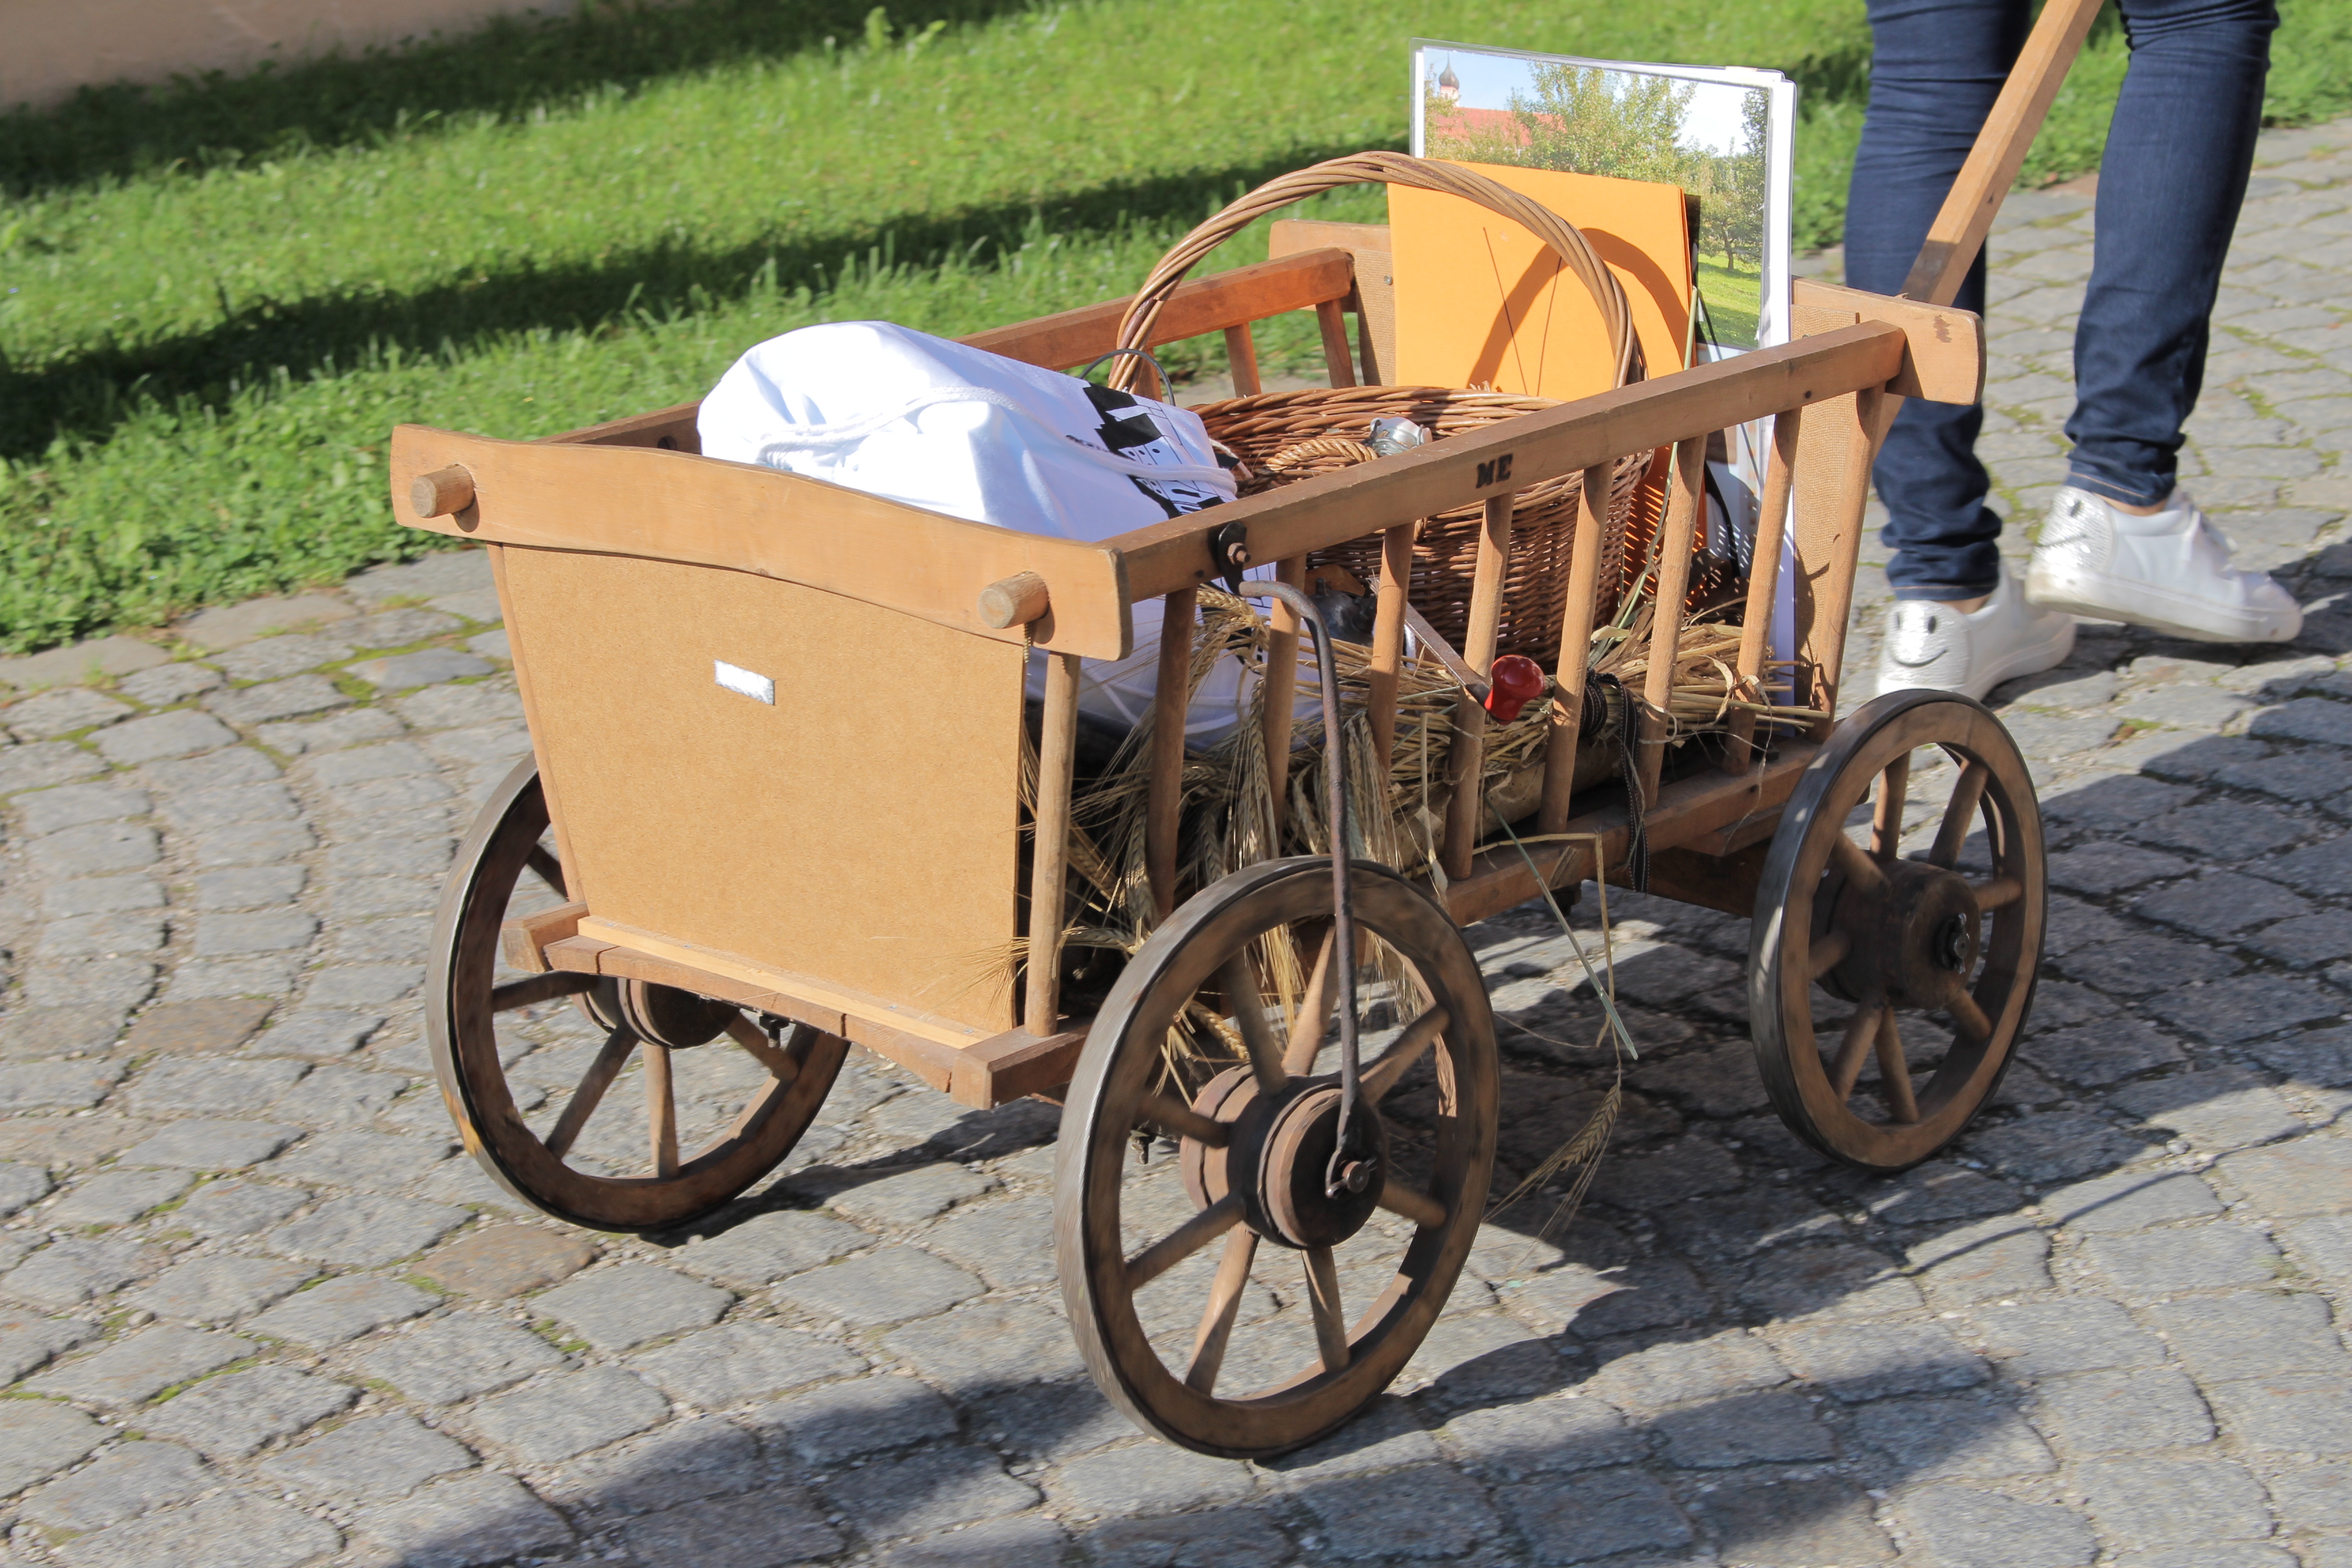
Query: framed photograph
[{"x": 1725, "y": 135}]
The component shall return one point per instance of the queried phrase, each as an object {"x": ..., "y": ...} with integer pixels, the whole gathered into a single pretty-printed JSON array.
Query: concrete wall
[{"x": 49, "y": 47}]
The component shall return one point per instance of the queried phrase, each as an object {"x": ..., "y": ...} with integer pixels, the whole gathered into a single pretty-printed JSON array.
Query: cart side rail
[
  {"x": 704, "y": 511},
  {"x": 1320, "y": 280},
  {"x": 1941, "y": 352}
]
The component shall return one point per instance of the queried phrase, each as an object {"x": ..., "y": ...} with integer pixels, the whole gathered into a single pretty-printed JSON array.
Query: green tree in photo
[
  {"x": 1731, "y": 215},
  {"x": 1605, "y": 122}
]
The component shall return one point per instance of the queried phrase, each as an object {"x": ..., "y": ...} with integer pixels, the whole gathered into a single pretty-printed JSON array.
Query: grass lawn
[
  {"x": 216, "y": 300},
  {"x": 1734, "y": 299}
]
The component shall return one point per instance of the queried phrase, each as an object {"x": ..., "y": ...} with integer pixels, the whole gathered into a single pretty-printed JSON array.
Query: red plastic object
[{"x": 1514, "y": 682}]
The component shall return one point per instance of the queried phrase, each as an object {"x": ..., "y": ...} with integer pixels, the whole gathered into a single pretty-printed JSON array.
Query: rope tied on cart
[{"x": 1348, "y": 1169}]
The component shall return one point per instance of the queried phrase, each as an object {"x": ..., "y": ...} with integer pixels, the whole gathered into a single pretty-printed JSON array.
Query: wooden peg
[
  {"x": 1014, "y": 602},
  {"x": 442, "y": 492}
]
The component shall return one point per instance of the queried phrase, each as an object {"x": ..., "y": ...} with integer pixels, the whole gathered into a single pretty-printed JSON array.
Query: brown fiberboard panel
[{"x": 862, "y": 828}]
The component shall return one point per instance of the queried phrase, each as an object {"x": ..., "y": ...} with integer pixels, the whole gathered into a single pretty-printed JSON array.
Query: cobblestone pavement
[{"x": 260, "y": 1313}]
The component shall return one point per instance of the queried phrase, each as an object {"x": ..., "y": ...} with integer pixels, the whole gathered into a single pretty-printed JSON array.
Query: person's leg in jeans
[
  {"x": 1936, "y": 67},
  {"x": 2178, "y": 151},
  {"x": 2173, "y": 174},
  {"x": 2122, "y": 541},
  {"x": 1958, "y": 622}
]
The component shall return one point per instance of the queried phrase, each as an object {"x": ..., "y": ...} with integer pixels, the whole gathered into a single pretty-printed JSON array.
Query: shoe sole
[{"x": 2082, "y": 596}]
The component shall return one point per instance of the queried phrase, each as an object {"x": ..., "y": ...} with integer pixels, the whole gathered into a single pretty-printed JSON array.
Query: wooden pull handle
[
  {"x": 1015, "y": 602},
  {"x": 442, "y": 492}
]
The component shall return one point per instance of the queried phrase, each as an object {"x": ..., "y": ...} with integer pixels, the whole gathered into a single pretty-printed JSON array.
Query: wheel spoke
[
  {"x": 1323, "y": 1299},
  {"x": 589, "y": 1090},
  {"x": 549, "y": 868},
  {"x": 1172, "y": 1115},
  {"x": 1894, "y": 1072},
  {"x": 1412, "y": 1203},
  {"x": 1183, "y": 1241},
  {"x": 1886, "y": 821},
  {"x": 1224, "y": 1305},
  {"x": 537, "y": 988},
  {"x": 748, "y": 1035},
  {"x": 1999, "y": 893},
  {"x": 1248, "y": 1006},
  {"x": 1306, "y": 1025},
  {"x": 661, "y": 1110},
  {"x": 1968, "y": 1015},
  {"x": 1959, "y": 816},
  {"x": 757, "y": 1106},
  {"x": 1382, "y": 1076},
  {"x": 1859, "y": 869},
  {"x": 1859, "y": 1031},
  {"x": 1827, "y": 954}
]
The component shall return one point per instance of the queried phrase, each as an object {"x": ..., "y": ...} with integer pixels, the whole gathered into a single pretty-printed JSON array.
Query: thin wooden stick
[
  {"x": 1856, "y": 425},
  {"x": 1323, "y": 1303},
  {"x": 1248, "y": 1005},
  {"x": 1224, "y": 1305},
  {"x": 661, "y": 1110},
  {"x": 1183, "y": 1241},
  {"x": 1241, "y": 355},
  {"x": 1056, "y": 749},
  {"x": 1667, "y": 617},
  {"x": 1306, "y": 1038},
  {"x": 1894, "y": 1072},
  {"x": 1960, "y": 229},
  {"x": 1164, "y": 807},
  {"x": 1886, "y": 813},
  {"x": 1387, "y": 635},
  {"x": 1575, "y": 647},
  {"x": 586, "y": 1094},
  {"x": 1281, "y": 689},
  {"x": 1337, "y": 357},
  {"x": 1462, "y": 807},
  {"x": 1763, "y": 579}
]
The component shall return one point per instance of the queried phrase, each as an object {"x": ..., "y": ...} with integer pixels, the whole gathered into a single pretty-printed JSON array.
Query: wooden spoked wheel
[
  {"x": 1892, "y": 958},
  {"x": 552, "y": 1119},
  {"x": 1222, "y": 1297}
]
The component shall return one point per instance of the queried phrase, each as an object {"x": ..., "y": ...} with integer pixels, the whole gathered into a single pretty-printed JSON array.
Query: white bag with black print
[{"x": 950, "y": 428}]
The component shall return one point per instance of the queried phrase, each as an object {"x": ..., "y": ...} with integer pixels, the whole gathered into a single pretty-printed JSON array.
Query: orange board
[{"x": 1481, "y": 303}]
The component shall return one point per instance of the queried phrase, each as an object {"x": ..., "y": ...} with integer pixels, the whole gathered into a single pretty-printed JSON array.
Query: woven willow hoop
[
  {"x": 1290, "y": 436},
  {"x": 1385, "y": 169}
]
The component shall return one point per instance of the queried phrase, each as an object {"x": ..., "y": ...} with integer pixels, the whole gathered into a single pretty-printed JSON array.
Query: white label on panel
[{"x": 734, "y": 678}]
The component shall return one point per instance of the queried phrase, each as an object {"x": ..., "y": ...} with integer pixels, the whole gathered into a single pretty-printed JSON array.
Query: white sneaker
[
  {"x": 2170, "y": 571},
  {"x": 1933, "y": 645}
]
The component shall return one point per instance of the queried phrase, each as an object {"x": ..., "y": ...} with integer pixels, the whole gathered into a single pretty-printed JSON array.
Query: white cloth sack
[{"x": 955, "y": 429}]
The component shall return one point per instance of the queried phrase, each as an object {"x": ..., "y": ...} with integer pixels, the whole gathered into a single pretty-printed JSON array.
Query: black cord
[{"x": 1344, "y": 1157}]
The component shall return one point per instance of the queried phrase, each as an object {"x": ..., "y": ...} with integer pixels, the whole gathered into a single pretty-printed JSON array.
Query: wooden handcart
[{"x": 743, "y": 875}]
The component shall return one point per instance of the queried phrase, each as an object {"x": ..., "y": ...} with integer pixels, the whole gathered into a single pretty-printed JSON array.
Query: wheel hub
[
  {"x": 1277, "y": 1154},
  {"x": 665, "y": 1016},
  {"x": 1915, "y": 942}
]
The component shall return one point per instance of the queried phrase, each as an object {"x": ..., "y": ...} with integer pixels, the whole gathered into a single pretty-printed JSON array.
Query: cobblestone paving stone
[{"x": 254, "y": 1311}]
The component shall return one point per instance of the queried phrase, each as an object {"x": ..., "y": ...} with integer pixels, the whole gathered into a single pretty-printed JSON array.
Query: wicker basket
[{"x": 1290, "y": 436}]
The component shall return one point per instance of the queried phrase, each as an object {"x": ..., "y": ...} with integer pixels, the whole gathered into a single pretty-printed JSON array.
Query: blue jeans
[{"x": 2173, "y": 176}]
